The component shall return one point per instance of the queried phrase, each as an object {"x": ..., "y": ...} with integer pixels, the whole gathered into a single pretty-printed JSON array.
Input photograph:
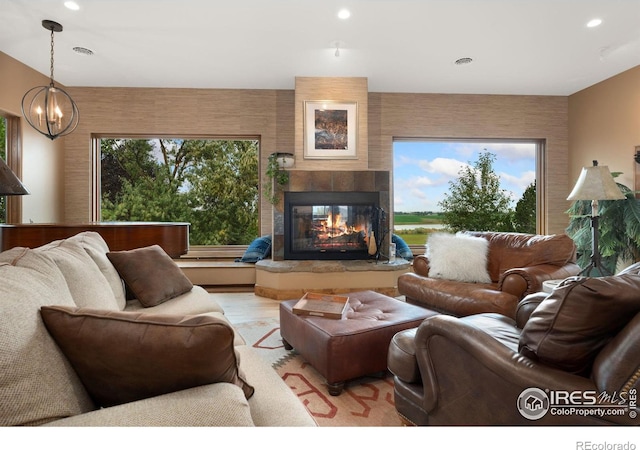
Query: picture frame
[{"x": 330, "y": 130}]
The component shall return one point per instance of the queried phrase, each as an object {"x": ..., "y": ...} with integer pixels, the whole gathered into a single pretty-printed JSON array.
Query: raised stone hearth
[{"x": 282, "y": 280}]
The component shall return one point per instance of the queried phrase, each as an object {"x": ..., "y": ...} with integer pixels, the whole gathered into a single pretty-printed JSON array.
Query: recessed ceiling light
[
  {"x": 344, "y": 14},
  {"x": 83, "y": 51},
  {"x": 463, "y": 61},
  {"x": 72, "y": 5},
  {"x": 594, "y": 23}
]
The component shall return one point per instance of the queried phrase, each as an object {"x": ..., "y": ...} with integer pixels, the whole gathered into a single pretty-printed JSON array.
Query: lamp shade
[
  {"x": 9, "y": 182},
  {"x": 596, "y": 183}
]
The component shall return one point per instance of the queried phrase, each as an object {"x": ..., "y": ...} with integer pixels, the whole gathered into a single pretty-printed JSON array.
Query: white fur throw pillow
[{"x": 458, "y": 257}]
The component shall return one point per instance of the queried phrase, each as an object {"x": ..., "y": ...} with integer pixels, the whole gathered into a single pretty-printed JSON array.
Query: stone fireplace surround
[{"x": 280, "y": 279}]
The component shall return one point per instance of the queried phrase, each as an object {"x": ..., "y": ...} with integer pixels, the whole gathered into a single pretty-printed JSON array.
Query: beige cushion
[
  {"x": 123, "y": 357},
  {"x": 570, "y": 327},
  {"x": 458, "y": 257},
  {"x": 97, "y": 248},
  {"x": 212, "y": 405},
  {"x": 88, "y": 286},
  {"x": 151, "y": 275},
  {"x": 196, "y": 301},
  {"x": 37, "y": 383}
]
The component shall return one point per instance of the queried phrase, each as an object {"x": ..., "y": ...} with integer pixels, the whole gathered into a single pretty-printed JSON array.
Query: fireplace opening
[{"x": 329, "y": 225}]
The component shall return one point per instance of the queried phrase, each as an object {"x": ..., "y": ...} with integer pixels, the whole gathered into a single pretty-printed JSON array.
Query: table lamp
[
  {"x": 9, "y": 185},
  {"x": 595, "y": 183},
  {"x": 9, "y": 182}
]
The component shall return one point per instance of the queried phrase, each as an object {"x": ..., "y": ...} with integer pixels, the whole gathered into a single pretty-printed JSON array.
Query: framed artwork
[{"x": 330, "y": 130}]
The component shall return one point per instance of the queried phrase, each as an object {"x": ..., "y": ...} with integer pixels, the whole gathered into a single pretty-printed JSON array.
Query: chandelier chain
[{"x": 51, "y": 68}]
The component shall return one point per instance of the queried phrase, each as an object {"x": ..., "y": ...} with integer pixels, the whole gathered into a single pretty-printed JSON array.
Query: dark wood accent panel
[{"x": 173, "y": 237}]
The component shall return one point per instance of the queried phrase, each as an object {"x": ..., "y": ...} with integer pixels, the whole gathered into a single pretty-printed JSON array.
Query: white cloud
[
  {"x": 521, "y": 182},
  {"x": 422, "y": 181},
  {"x": 513, "y": 151},
  {"x": 417, "y": 193},
  {"x": 446, "y": 167},
  {"x": 403, "y": 160}
]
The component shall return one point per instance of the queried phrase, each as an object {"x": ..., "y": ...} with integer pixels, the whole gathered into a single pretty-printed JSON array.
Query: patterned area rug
[{"x": 367, "y": 401}]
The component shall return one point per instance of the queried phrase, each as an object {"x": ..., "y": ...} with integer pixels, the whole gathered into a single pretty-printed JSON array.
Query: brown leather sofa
[
  {"x": 517, "y": 264},
  {"x": 578, "y": 346}
]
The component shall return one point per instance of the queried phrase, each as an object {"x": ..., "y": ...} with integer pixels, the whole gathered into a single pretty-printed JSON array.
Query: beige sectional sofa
[{"x": 77, "y": 350}]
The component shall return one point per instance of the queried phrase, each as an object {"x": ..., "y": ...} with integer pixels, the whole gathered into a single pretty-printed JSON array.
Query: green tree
[
  {"x": 212, "y": 184},
  {"x": 524, "y": 217},
  {"x": 135, "y": 187},
  {"x": 225, "y": 189},
  {"x": 476, "y": 201},
  {"x": 122, "y": 161}
]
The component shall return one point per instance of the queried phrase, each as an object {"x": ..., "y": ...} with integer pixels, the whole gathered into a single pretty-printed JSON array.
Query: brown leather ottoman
[{"x": 352, "y": 347}]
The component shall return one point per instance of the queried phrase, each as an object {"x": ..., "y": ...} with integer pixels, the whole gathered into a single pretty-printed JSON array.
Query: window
[
  {"x": 210, "y": 183},
  {"x": 423, "y": 171}
]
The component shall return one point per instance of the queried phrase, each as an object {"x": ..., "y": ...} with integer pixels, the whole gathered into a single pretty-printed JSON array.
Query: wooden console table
[{"x": 173, "y": 237}]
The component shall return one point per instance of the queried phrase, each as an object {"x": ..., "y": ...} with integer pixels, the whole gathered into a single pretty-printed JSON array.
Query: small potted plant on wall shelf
[{"x": 277, "y": 177}]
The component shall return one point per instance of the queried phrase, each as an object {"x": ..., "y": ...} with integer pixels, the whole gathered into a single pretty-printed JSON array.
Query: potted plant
[
  {"x": 277, "y": 177},
  {"x": 619, "y": 225}
]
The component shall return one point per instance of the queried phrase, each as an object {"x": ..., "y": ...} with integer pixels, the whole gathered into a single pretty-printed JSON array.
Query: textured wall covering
[{"x": 274, "y": 117}]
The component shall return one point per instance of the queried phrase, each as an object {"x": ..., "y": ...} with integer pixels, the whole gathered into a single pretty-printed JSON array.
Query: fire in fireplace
[{"x": 330, "y": 225}]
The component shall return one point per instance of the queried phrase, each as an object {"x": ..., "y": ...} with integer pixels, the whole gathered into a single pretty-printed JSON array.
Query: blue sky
[{"x": 422, "y": 170}]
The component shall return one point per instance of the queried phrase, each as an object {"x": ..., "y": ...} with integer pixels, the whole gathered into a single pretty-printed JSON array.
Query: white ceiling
[{"x": 538, "y": 47}]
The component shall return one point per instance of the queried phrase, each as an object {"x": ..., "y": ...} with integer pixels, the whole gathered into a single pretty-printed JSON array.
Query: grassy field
[
  {"x": 417, "y": 219},
  {"x": 413, "y": 238},
  {"x": 417, "y": 235}
]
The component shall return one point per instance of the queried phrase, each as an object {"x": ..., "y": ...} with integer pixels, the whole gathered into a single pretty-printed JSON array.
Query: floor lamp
[{"x": 595, "y": 183}]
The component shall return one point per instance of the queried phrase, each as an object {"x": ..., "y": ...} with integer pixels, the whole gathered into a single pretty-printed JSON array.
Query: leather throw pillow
[
  {"x": 122, "y": 357},
  {"x": 150, "y": 274},
  {"x": 570, "y": 326}
]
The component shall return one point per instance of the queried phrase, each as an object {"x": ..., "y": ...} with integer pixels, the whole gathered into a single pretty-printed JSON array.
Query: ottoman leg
[
  {"x": 335, "y": 388},
  {"x": 287, "y": 346}
]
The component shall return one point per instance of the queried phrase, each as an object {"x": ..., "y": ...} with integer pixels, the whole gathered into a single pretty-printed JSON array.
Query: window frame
[{"x": 13, "y": 158}]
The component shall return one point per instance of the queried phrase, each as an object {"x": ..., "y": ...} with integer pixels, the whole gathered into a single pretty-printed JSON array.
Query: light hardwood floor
[{"x": 242, "y": 307}]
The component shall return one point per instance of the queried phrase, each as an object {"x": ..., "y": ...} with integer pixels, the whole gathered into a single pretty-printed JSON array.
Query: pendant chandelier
[{"x": 49, "y": 109}]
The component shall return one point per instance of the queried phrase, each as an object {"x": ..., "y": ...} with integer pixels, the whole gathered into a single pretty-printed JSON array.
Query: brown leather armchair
[
  {"x": 479, "y": 369},
  {"x": 518, "y": 264}
]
